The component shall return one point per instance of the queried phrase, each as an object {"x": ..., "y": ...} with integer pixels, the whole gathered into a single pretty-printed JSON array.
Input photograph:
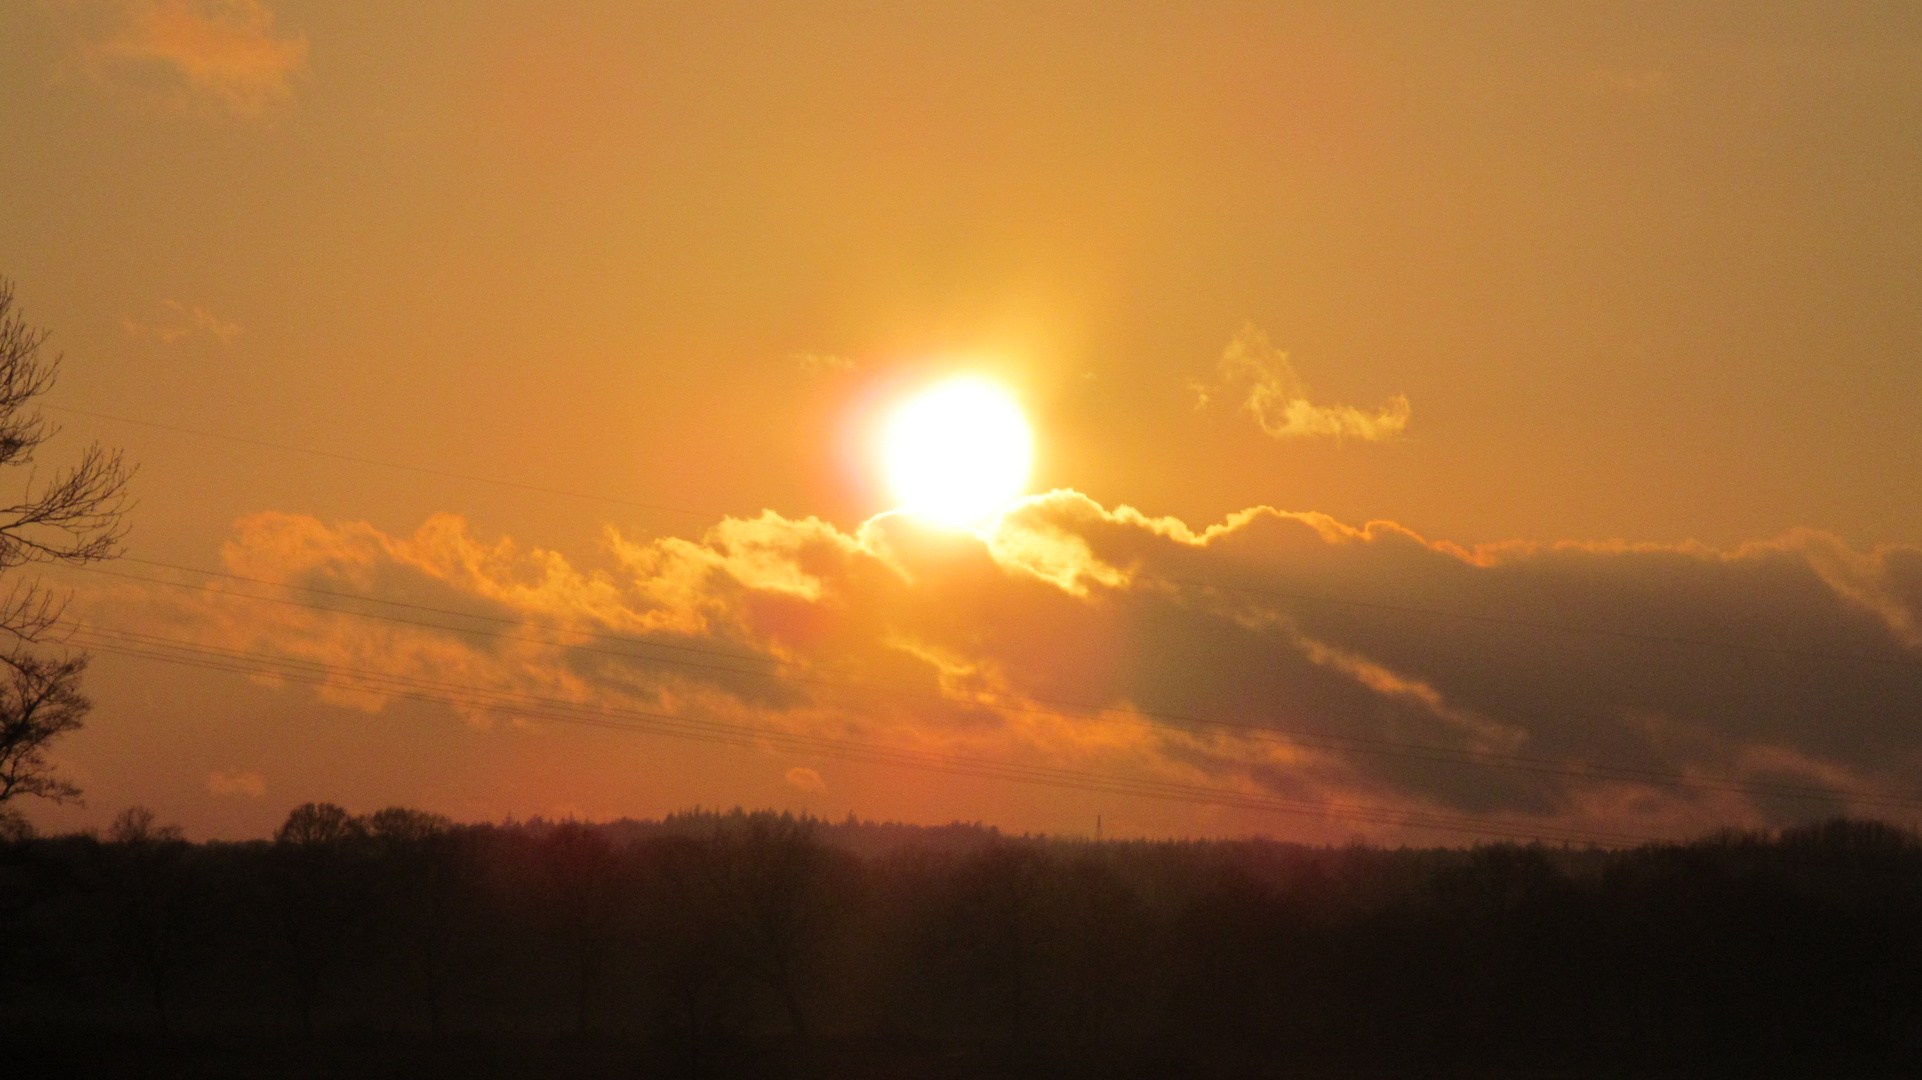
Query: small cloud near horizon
[
  {"x": 1260, "y": 380},
  {"x": 807, "y": 780},
  {"x": 249, "y": 784}
]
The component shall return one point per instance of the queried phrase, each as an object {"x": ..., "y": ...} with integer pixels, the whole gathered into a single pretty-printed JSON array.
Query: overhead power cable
[
  {"x": 513, "y": 703},
  {"x": 332, "y": 455},
  {"x": 1645, "y": 637},
  {"x": 1006, "y": 702},
  {"x": 1532, "y": 624},
  {"x": 1428, "y": 753},
  {"x": 1012, "y": 703}
]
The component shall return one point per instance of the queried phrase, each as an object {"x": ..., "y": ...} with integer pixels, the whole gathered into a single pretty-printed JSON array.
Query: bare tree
[
  {"x": 583, "y": 872},
  {"x": 75, "y": 515},
  {"x": 775, "y": 872},
  {"x": 426, "y": 872},
  {"x": 144, "y": 870},
  {"x": 319, "y": 895},
  {"x": 39, "y": 699}
]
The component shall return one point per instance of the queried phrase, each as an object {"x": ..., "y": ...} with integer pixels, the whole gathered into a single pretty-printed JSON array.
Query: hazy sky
[{"x": 1612, "y": 310}]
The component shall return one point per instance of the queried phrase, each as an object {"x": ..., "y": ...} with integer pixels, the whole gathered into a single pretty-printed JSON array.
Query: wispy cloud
[
  {"x": 181, "y": 321},
  {"x": 225, "y": 53},
  {"x": 248, "y": 784},
  {"x": 802, "y": 778},
  {"x": 1258, "y": 378},
  {"x": 823, "y": 363}
]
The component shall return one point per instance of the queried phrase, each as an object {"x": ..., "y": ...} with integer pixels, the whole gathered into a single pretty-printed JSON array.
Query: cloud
[
  {"x": 219, "y": 52},
  {"x": 1259, "y": 377},
  {"x": 240, "y": 783},
  {"x": 804, "y": 779},
  {"x": 181, "y": 322},
  {"x": 823, "y": 363},
  {"x": 1652, "y": 689}
]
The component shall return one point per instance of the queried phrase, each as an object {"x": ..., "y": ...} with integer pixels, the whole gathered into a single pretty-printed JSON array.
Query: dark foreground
[
  {"x": 759, "y": 945},
  {"x": 397, "y": 1057}
]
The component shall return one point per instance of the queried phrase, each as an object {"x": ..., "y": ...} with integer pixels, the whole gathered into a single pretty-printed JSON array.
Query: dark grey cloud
[{"x": 1645, "y": 687}]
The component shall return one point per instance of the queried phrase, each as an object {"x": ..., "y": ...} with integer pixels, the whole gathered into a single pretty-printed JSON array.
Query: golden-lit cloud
[
  {"x": 802, "y": 778},
  {"x": 1639, "y": 687},
  {"x": 182, "y": 320},
  {"x": 248, "y": 784},
  {"x": 221, "y": 52},
  {"x": 818, "y": 364},
  {"x": 1259, "y": 379}
]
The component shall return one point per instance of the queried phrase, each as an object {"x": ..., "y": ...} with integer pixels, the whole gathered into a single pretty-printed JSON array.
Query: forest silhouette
[{"x": 762, "y": 944}]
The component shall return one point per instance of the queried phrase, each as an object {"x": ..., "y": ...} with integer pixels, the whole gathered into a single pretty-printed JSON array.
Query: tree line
[{"x": 718, "y": 943}]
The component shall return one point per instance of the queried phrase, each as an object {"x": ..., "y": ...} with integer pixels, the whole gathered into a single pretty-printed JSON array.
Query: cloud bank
[
  {"x": 1655, "y": 689},
  {"x": 1258, "y": 376}
]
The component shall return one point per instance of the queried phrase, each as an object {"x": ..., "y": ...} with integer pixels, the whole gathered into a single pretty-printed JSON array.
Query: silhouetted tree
[
  {"x": 989, "y": 941},
  {"x": 39, "y": 700},
  {"x": 24, "y": 883},
  {"x": 1102, "y": 955},
  {"x": 1229, "y": 938},
  {"x": 424, "y": 874},
  {"x": 773, "y": 875},
  {"x": 143, "y": 867},
  {"x": 690, "y": 945},
  {"x": 585, "y": 901},
  {"x": 318, "y": 894},
  {"x": 1750, "y": 954},
  {"x": 74, "y": 517}
]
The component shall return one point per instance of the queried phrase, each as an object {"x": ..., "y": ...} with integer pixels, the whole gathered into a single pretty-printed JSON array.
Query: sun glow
[{"x": 958, "y": 452}]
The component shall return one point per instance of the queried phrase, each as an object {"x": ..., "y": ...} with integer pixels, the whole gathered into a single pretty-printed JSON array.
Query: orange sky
[{"x": 1642, "y": 277}]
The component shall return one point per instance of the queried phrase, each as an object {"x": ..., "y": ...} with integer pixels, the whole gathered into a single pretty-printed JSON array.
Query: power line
[
  {"x": 1017, "y": 704},
  {"x": 312, "y": 590},
  {"x": 1532, "y": 624},
  {"x": 1419, "y": 752},
  {"x": 174, "y": 651},
  {"x": 442, "y": 473},
  {"x": 1501, "y": 620}
]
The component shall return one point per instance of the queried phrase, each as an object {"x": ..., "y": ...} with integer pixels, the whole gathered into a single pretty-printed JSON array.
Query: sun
[{"x": 958, "y": 452}]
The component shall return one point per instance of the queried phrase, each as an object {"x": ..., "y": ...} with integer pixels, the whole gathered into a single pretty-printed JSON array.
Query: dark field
[{"x": 762, "y": 945}]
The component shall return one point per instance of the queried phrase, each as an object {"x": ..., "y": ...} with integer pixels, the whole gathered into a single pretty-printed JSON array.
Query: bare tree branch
[
  {"x": 78, "y": 516},
  {"x": 39, "y": 701}
]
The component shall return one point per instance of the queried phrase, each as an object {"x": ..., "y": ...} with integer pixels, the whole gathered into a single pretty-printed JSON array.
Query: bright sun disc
[{"x": 958, "y": 452}]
